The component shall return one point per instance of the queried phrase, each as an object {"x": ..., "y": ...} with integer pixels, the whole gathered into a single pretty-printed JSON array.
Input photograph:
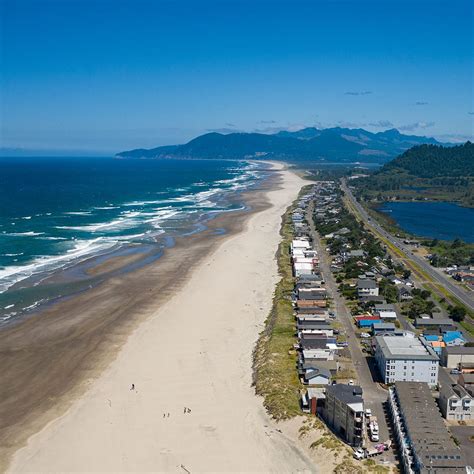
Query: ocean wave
[
  {"x": 116, "y": 224},
  {"x": 11, "y": 254},
  {"x": 23, "y": 234},
  {"x": 13, "y": 274},
  {"x": 52, "y": 238},
  {"x": 78, "y": 213},
  {"x": 105, "y": 208}
]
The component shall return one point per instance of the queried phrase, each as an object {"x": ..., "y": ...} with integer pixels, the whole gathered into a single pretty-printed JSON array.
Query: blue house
[{"x": 453, "y": 338}]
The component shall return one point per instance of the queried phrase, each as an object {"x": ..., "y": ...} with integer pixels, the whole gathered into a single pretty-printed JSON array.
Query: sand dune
[{"x": 194, "y": 351}]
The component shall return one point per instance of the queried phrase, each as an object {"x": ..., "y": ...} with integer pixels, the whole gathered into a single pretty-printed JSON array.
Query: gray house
[{"x": 456, "y": 403}]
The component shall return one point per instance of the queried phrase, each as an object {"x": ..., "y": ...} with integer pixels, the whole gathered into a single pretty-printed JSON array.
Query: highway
[{"x": 464, "y": 296}]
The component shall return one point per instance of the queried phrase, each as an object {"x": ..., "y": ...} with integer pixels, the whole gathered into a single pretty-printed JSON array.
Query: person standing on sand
[{"x": 132, "y": 387}]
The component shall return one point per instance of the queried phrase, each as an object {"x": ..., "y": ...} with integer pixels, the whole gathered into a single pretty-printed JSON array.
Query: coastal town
[{"x": 382, "y": 364}]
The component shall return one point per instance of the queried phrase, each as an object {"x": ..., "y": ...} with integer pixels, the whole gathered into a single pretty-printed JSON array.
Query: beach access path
[{"x": 192, "y": 407}]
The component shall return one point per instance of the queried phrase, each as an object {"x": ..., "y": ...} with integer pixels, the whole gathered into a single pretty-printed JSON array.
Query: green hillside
[{"x": 424, "y": 172}]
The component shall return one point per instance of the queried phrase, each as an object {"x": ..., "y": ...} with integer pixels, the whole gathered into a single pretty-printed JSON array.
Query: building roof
[
  {"x": 345, "y": 393},
  {"x": 430, "y": 440},
  {"x": 366, "y": 283},
  {"x": 449, "y": 336},
  {"x": 459, "y": 350},
  {"x": 317, "y": 372},
  {"x": 384, "y": 307},
  {"x": 403, "y": 348},
  {"x": 433, "y": 322},
  {"x": 367, "y": 317},
  {"x": 383, "y": 326}
]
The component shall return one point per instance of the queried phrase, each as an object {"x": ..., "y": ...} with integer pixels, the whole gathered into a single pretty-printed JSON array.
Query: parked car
[
  {"x": 351, "y": 382},
  {"x": 368, "y": 412},
  {"x": 454, "y": 371},
  {"x": 359, "y": 453}
]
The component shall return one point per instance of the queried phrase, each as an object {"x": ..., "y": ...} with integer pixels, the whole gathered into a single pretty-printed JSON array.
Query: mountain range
[{"x": 309, "y": 144}]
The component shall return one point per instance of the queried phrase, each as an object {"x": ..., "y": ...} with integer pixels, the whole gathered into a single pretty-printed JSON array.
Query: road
[
  {"x": 374, "y": 395},
  {"x": 458, "y": 292}
]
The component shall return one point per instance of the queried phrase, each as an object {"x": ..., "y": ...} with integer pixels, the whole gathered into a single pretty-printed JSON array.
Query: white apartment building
[{"x": 406, "y": 359}]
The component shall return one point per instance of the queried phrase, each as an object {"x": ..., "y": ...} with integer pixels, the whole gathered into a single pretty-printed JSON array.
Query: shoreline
[{"x": 97, "y": 370}]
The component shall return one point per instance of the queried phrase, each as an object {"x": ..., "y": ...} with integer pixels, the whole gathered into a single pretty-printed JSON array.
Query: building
[
  {"x": 385, "y": 311},
  {"x": 317, "y": 376},
  {"x": 404, "y": 293},
  {"x": 432, "y": 322},
  {"x": 425, "y": 445},
  {"x": 344, "y": 412},
  {"x": 367, "y": 321},
  {"x": 453, "y": 338},
  {"x": 383, "y": 328},
  {"x": 453, "y": 356},
  {"x": 467, "y": 382},
  {"x": 456, "y": 403},
  {"x": 313, "y": 400},
  {"x": 367, "y": 288},
  {"x": 406, "y": 359}
]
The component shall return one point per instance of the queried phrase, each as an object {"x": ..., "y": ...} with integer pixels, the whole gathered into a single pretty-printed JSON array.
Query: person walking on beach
[{"x": 132, "y": 387}]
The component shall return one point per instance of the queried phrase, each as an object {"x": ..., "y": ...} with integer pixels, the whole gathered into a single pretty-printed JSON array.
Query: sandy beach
[{"x": 192, "y": 407}]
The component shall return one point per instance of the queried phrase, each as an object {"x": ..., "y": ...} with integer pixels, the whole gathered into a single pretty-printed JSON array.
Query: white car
[
  {"x": 368, "y": 412},
  {"x": 358, "y": 453},
  {"x": 374, "y": 437},
  {"x": 351, "y": 382}
]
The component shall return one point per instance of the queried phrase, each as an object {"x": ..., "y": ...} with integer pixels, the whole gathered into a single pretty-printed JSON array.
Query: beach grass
[{"x": 275, "y": 374}]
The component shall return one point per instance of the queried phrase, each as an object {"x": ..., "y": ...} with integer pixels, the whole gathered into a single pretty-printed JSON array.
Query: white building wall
[{"x": 395, "y": 370}]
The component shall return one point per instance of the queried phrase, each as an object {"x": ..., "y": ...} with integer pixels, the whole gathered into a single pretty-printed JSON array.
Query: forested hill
[
  {"x": 431, "y": 161},
  {"x": 310, "y": 144},
  {"x": 424, "y": 172}
]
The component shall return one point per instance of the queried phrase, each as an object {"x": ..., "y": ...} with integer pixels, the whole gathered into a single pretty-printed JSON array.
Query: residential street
[{"x": 374, "y": 395}]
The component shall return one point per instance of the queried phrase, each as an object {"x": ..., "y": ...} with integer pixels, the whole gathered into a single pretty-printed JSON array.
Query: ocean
[{"x": 56, "y": 212}]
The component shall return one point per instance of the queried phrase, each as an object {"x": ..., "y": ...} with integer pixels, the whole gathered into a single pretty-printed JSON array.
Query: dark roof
[
  {"x": 323, "y": 325},
  {"x": 459, "y": 350},
  {"x": 427, "y": 433},
  {"x": 384, "y": 307},
  {"x": 432, "y": 322},
  {"x": 366, "y": 283},
  {"x": 345, "y": 393},
  {"x": 313, "y": 344},
  {"x": 316, "y": 372}
]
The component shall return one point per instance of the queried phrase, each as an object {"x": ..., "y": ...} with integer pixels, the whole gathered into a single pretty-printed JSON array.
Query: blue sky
[{"x": 111, "y": 75}]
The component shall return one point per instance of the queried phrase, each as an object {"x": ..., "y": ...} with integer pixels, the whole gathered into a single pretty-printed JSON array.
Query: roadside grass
[{"x": 274, "y": 360}]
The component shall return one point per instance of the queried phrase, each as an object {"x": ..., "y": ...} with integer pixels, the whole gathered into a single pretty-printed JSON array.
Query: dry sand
[{"x": 193, "y": 351}]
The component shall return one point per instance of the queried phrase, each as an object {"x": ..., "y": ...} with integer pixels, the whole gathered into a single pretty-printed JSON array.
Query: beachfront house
[{"x": 317, "y": 376}]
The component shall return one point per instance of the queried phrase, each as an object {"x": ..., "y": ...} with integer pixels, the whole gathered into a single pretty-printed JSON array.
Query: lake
[{"x": 436, "y": 220}]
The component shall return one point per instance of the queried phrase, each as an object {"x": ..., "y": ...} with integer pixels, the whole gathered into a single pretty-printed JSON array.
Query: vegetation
[
  {"x": 275, "y": 375},
  {"x": 457, "y": 313},
  {"x": 420, "y": 304},
  {"x": 424, "y": 172},
  {"x": 444, "y": 254}
]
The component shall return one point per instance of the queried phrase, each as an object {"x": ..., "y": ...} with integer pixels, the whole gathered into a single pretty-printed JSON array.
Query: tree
[
  {"x": 406, "y": 274},
  {"x": 457, "y": 313}
]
